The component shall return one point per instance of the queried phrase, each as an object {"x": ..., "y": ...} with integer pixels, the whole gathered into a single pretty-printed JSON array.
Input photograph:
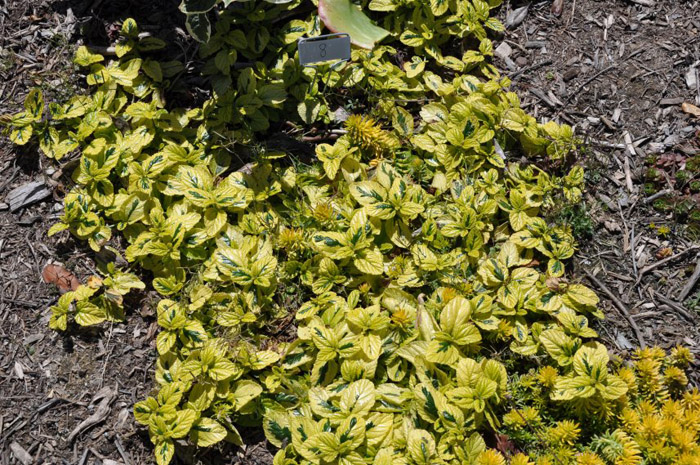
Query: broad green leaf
[
  {"x": 344, "y": 16},
  {"x": 276, "y": 427},
  {"x": 83, "y": 57},
  {"x": 370, "y": 261},
  {"x": 322, "y": 446},
  {"x": 34, "y": 104}
]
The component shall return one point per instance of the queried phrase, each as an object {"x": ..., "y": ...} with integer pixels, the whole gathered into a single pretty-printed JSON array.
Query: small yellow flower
[
  {"x": 691, "y": 399},
  {"x": 520, "y": 459},
  {"x": 681, "y": 357},
  {"x": 364, "y": 288},
  {"x": 548, "y": 376},
  {"x": 448, "y": 293},
  {"x": 323, "y": 212},
  {"x": 564, "y": 432},
  {"x": 652, "y": 426},
  {"x": 401, "y": 317},
  {"x": 589, "y": 458},
  {"x": 672, "y": 409},
  {"x": 491, "y": 457},
  {"x": 630, "y": 419},
  {"x": 663, "y": 231},
  {"x": 627, "y": 375},
  {"x": 675, "y": 379},
  {"x": 291, "y": 239},
  {"x": 513, "y": 420},
  {"x": 365, "y": 133}
]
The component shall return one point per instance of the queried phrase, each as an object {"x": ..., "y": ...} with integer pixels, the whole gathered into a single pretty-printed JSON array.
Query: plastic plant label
[{"x": 329, "y": 47}]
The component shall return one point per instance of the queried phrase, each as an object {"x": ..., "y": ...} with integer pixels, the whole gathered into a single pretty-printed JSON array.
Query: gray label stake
[{"x": 330, "y": 47}]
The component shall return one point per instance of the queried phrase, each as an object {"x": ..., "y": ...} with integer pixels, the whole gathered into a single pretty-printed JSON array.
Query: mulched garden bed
[{"x": 618, "y": 70}]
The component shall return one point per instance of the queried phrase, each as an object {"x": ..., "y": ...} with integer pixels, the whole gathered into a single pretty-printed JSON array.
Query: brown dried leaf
[
  {"x": 612, "y": 226},
  {"x": 515, "y": 17},
  {"x": 555, "y": 284},
  {"x": 663, "y": 253},
  {"x": 61, "y": 277},
  {"x": 94, "y": 282},
  {"x": 691, "y": 109},
  {"x": 670, "y": 159},
  {"x": 505, "y": 445}
]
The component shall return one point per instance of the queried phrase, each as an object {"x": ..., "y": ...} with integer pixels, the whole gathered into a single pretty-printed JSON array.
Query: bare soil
[{"x": 609, "y": 67}]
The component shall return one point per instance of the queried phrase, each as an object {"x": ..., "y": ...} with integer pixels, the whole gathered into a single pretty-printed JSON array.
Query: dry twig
[
  {"x": 517, "y": 74},
  {"x": 99, "y": 416},
  {"x": 120, "y": 449},
  {"x": 658, "y": 195},
  {"x": 630, "y": 153},
  {"x": 653, "y": 266},
  {"x": 588, "y": 81},
  {"x": 677, "y": 307},
  {"x": 685, "y": 292},
  {"x": 620, "y": 306}
]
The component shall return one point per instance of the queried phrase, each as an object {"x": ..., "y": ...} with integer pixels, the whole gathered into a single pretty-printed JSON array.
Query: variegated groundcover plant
[{"x": 399, "y": 298}]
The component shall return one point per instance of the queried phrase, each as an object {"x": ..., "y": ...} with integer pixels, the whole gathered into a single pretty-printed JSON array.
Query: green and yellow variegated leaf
[
  {"x": 276, "y": 427},
  {"x": 164, "y": 451},
  {"x": 21, "y": 135},
  {"x": 368, "y": 192},
  {"x": 89, "y": 314},
  {"x": 420, "y": 447},
  {"x": 579, "y": 296},
  {"x": 206, "y": 432},
  {"x": 370, "y": 261},
  {"x": 320, "y": 447},
  {"x": 358, "y": 398},
  {"x": 559, "y": 346}
]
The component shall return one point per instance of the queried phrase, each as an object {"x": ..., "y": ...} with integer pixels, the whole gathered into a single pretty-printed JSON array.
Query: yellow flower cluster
[{"x": 656, "y": 422}]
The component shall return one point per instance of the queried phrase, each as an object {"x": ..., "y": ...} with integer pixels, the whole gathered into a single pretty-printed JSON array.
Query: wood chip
[
  {"x": 571, "y": 73},
  {"x": 503, "y": 51},
  {"x": 691, "y": 78},
  {"x": 620, "y": 306},
  {"x": 664, "y": 102},
  {"x": 27, "y": 194},
  {"x": 630, "y": 153},
  {"x": 536, "y": 44},
  {"x": 542, "y": 96},
  {"x": 21, "y": 454},
  {"x": 19, "y": 370}
]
